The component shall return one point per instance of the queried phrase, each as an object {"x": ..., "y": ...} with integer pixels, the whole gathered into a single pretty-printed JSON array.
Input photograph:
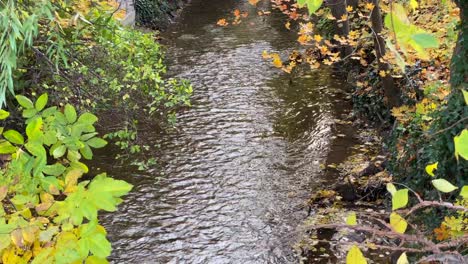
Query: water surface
[{"x": 241, "y": 163}]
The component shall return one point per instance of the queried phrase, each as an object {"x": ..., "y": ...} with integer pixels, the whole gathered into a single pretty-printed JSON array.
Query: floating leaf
[
  {"x": 398, "y": 223},
  {"x": 400, "y": 199},
  {"x": 355, "y": 256},
  {"x": 443, "y": 185},
  {"x": 431, "y": 167}
]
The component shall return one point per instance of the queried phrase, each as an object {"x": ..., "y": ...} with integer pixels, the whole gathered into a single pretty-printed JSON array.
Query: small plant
[{"x": 48, "y": 215}]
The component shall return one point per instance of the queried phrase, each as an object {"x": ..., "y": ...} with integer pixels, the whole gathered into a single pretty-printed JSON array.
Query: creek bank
[{"x": 157, "y": 14}]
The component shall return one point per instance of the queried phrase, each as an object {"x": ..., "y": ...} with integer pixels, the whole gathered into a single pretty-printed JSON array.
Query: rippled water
[{"x": 241, "y": 163}]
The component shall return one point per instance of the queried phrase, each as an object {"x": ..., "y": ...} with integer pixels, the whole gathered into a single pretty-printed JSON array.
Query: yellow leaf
[
  {"x": 351, "y": 219},
  {"x": 355, "y": 256},
  {"x": 277, "y": 60},
  {"x": 382, "y": 73},
  {"x": 431, "y": 167},
  {"x": 403, "y": 259},
  {"x": 349, "y": 8},
  {"x": 398, "y": 223},
  {"x": 413, "y": 4},
  {"x": 222, "y": 22},
  {"x": 369, "y": 6},
  {"x": 318, "y": 38}
]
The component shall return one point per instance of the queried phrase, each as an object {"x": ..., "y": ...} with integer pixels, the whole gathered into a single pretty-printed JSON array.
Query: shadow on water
[{"x": 240, "y": 164}]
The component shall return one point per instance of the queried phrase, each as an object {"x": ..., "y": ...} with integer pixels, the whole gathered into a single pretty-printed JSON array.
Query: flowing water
[{"x": 238, "y": 168}]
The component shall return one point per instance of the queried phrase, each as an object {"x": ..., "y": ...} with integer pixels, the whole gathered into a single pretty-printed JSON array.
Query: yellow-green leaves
[
  {"x": 413, "y": 4},
  {"x": 351, "y": 219},
  {"x": 409, "y": 35},
  {"x": 403, "y": 259},
  {"x": 355, "y": 256},
  {"x": 391, "y": 188},
  {"x": 41, "y": 102},
  {"x": 461, "y": 144},
  {"x": 431, "y": 167},
  {"x": 24, "y": 102},
  {"x": 443, "y": 185},
  {"x": 70, "y": 113},
  {"x": 14, "y": 137},
  {"x": 399, "y": 199},
  {"x": 464, "y": 192},
  {"x": 312, "y": 5},
  {"x": 465, "y": 95},
  {"x": 4, "y": 114},
  {"x": 398, "y": 223}
]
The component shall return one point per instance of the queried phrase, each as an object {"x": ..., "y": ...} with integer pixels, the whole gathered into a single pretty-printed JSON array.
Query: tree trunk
[
  {"x": 338, "y": 9},
  {"x": 458, "y": 69},
  {"x": 390, "y": 91}
]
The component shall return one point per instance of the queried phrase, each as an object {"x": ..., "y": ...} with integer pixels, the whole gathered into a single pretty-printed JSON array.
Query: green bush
[{"x": 47, "y": 214}]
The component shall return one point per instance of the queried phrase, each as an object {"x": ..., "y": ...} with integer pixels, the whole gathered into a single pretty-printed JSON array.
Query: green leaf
[
  {"x": 14, "y": 137},
  {"x": 96, "y": 260},
  {"x": 464, "y": 192},
  {"x": 400, "y": 199},
  {"x": 398, "y": 223},
  {"x": 96, "y": 142},
  {"x": 99, "y": 245},
  {"x": 105, "y": 192},
  {"x": 351, "y": 219},
  {"x": 59, "y": 151},
  {"x": 391, "y": 188},
  {"x": 355, "y": 256},
  {"x": 465, "y": 95},
  {"x": 7, "y": 148},
  {"x": 443, "y": 185},
  {"x": 55, "y": 170},
  {"x": 425, "y": 40},
  {"x": 461, "y": 144},
  {"x": 86, "y": 152},
  {"x": 87, "y": 118},
  {"x": 34, "y": 129},
  {"x": 313, "y": 5},
  {"x": 24, "y": 102},
  {"x": 28, "y": 113},
  {"x": 431, "y": 167},
  {"x": 403, "y": 259},
  {"x": 70, "y": 113},
  {"x": 4, "y": 114},
  {"x": 41, "y": 102}
]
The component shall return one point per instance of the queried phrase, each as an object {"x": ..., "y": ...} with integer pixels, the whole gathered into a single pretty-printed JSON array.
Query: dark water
[{"x": 241, "y": 163}]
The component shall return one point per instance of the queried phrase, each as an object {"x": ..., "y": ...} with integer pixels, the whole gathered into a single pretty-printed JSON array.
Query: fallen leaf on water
[{"x": 222, "y": 22}]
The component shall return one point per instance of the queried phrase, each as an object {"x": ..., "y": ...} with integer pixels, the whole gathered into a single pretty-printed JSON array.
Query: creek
[{"x": 237, "y": 170}]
